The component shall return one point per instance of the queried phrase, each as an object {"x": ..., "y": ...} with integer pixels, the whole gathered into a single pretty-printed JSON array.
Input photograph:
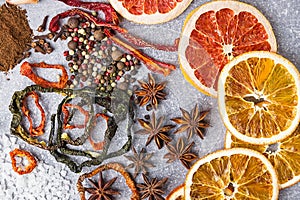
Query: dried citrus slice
[
  {"x": 215, "y": 33},
  {"x": 177, "y": 193},
  {"x": 284, "y": 156},
  {"x": 235, "y": 174},
  {"x": 150, "y": 11},
  {"x": 258, "y": 94}
]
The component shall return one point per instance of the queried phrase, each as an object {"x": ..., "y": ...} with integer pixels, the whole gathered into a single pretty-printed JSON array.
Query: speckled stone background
[{"x": 53, "y": 181}]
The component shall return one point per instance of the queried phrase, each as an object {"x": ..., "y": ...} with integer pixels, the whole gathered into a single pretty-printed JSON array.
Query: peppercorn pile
[
  {"x": 94, "y": 60},
  {"x": 15, "y": 36}
]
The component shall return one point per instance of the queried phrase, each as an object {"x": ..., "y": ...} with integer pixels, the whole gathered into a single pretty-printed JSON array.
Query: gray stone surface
[{"x": 52, "y": 180}]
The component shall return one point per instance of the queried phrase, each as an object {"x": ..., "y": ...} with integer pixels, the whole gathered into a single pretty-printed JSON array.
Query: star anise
[
  {"x": 101, "y": 190},
  {"x": 180, "y": 151},
  {"x": 156, "y": 130},
  {"x": 192, "y": 123},
  {"x": 152, "y": 189},
  {"x": 140, "y": 161},
  {"x": 151, "y": 92}
]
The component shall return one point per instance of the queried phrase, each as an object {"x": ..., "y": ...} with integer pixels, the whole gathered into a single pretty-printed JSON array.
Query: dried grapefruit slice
[
  {"x": 235, "y": 174},
  {"x": 176, "y": 194},
  {"x": 216, "y": 32},
  {"x": 284, "y": 156},
  {"x": 258, "y": 94},
  {"x": 150, "y": 11}
]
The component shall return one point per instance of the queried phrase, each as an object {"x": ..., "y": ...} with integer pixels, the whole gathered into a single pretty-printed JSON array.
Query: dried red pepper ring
[
  {"x": 54, "y": 24},
  {"x": 32, "y": 163},
  {"x": 109, "y": 12},
  {"x": 39, "y": 130},
  {"x": 26, "y": 70},
  {"x": 65, "y": 110},
  {"x": 98, "y": 145}
]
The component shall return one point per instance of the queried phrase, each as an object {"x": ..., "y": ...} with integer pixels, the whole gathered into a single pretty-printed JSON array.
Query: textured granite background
[{"x": 53, "y": 181}]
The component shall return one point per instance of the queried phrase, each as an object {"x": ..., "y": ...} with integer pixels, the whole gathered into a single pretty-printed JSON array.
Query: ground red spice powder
[{"x": 15, "y": 36}]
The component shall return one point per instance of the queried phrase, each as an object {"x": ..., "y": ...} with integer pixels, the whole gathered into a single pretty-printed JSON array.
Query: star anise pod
[
  {"x": 156, "y": 130},
  {"x": 180, "y": 151},
  {"x": 152, "y": 189},
  {"x": 101, "y": 190},
  {"x": 151, "y": 92},
  {"x": 140, "y": 161},
  {"x": 192, "y": 122}
]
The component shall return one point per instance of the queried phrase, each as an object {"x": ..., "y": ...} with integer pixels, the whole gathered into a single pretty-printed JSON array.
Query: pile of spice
[
  {"x": 93, "y": 59},
  {"x": 15, "y": 36}
]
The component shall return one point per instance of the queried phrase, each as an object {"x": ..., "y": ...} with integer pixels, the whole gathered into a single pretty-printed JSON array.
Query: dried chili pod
[
  {"x": 152, "y": 64},
  {"x": 54, "y": 24},
  {"x": 24, "y": 154},
  {"x": 26, "y": 70},
  {"x": 109, "y": 12},
  {"x": 39, "y": 130},
  {"x": 109, "y": 166}
]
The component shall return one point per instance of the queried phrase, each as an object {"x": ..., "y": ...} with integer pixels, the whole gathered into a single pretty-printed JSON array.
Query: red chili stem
[
  {"x": 109, "y": 12},
  {"x": 152, "y": 64},
  {"x": 54, "y": 24},
  {"x": 142, "y": 43}
]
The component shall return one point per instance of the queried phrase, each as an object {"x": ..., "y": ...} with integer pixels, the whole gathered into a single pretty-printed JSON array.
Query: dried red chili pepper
[
  {"x": 109, "y": 12},
  {"x": 22, "y": 169},
  {"x": 39, "y": 130},
  {"x": 152, "y": 64},
  {"x": 98, "y": 145},
  {"x": 54, "y": 24},
  {"x": 141, "y": 43},
  {"x": 65, "y": 110},
  {"x": 26, "y": 70}
]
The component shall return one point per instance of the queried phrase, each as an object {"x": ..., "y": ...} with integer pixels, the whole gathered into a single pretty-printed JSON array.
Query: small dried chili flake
[
  {"x": 26, "y": 70},
  {"x": 65, "y": 110},
  {"x": 98, "y": 145},
  {"x": 39, "y": 130},
  {"x": 22, "y": 169}
]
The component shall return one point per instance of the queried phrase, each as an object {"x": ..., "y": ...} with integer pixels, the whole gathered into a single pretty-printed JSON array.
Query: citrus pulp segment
[
  {"x": 177, "y": 193},
  {"x": 258, "y": 95},
  {"x": 215, "y": 33},
  {"x": 150, "y": 11},
  {"x": 236, "y": 173},
  {"x": 284, "y": 156}
]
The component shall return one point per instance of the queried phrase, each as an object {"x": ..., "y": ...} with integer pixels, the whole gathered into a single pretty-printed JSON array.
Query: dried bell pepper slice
[
  {"x": 26, "y": 70},
  {"x": 65, "y": 110},
  {"x": 109, "y": 166},
  {"x": 39, "y": 130},
  {"x": 98, "y": 145},
  {"x": 32, "y": 163}
]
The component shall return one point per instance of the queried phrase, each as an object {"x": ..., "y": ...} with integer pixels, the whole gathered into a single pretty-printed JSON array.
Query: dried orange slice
[
  {"x": 150, "y": 11},
  {"x": 177, "y": 193},
  {"x": 284, "y": 156},
  {"x": 236, "y": 174},
  {"x": 215, "y": 33},
  {"x": 258, "y": 94}
]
